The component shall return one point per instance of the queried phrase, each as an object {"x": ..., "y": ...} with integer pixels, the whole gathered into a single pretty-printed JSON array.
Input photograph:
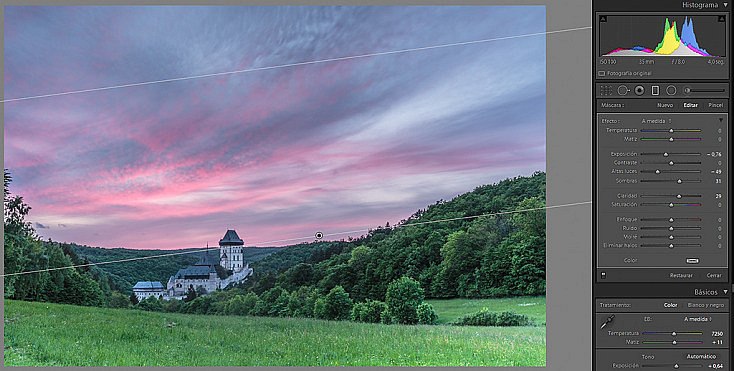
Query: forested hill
[
  {"x": 154, "y": 269},
  {"x": 494, "y": 256},
  {"x": 294, "y": 254}
]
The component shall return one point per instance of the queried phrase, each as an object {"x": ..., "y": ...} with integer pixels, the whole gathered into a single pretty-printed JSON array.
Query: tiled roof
[
  {"x": 203, "y": 267},
  {"x": 148, "y": 285},
  {"x": 231, "y": 238},
  {"x": 205, "y": 260},
  {"x": 194, "y": 271}
]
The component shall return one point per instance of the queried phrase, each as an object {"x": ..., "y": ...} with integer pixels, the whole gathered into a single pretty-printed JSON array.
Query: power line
[
  {"x": 301, "y": 238},
  {"x": 290, "y": 65}
]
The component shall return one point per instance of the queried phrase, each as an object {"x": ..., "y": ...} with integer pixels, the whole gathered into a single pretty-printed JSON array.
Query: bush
[
  {"x": 319, "y": 309},
  {"x": 249, "y": 304},
  {"x": 273, "y": 302},
  {"x": 151, "y": 304},
  {"x": 426, "y": 314},
  {"x": 308, "y": 308},
  {"x": 486, "y": 318},
  {"x": 403, "y": 297},
  {"x": 201, "y": 305},
  {"x": 236, "y": 306},
  {"x": 118, "y": 300},
  {"x": 385, "y": 317},
  {"x": 337, "y": 304},
  {"x": 280, "y": 306},
  {"x": 298, "y": 303},
  {"x": 260, "y": 309},
  {"x": 374, "y": 311},
  {"x": 172, "y": 305},
  {"x": 358, "y": 312}
]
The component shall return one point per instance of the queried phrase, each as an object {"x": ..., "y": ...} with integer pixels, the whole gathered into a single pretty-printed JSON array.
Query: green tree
[
  {"x": 358, "y": 312},
  {"x": 461, "y": 256},
  {"x": 532, "y": 222},
  {"x": 200, "y": 305},
  {"x": 104, "y": 285},
  {"x": 236, "y": 306},
  {"x": 319, "y": 308},
  {"x": 297, "y": 276},
  {"x": 308, "y": 310},
  {"x": 386, "y": 318},
  {"x": 403, "y": 297},
  {"x": 118, "y": 300},
  {"x": 279, "y": 308},
  {"x": 172, "y": 305},
  {"x": 220, "y": 298},
  {"x": 81, "y": 289},
  {"x": 58, "y": 280},
  {"x": 15, "y": 211},
  {"x": 134, "y": 299},
  {"x": 273, "y": 302},
  {"x": 151, "y": 304},
  {"x": 337, "y": 305},
  {"x": 21, "y": 249},
  {"x": 298, "y": 303},
  {"x": 374, "y": 311},
  {"x": 190, "y": 295}
]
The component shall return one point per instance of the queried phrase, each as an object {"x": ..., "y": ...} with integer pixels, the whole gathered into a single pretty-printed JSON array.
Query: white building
[
  {"x": 146, "y": 289},
  {"x": 204, "y": 273},
  {"x": 230, "y": 251}
]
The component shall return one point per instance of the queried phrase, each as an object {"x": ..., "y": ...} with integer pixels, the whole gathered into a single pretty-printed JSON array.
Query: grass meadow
[
  {"x": 45, "y": 334},
  {"x": 451, "y": 309}
]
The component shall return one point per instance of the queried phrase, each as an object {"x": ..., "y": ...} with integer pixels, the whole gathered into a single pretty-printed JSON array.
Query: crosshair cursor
[{"x": 608, "y": 321}]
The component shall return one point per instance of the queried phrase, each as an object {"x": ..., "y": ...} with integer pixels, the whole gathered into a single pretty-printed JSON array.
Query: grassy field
[
  {"x": 451, "y": 309},
  {"x": 43, "y": 334}
]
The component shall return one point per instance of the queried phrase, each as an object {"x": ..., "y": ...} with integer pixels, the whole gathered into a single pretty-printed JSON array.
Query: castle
[{"x": 203, "y": 273}]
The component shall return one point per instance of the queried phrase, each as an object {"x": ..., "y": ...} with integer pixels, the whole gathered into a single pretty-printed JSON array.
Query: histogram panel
[{"x": 690, "y": 36}]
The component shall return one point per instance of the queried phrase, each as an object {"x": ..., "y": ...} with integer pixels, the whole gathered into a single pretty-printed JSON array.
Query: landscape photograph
[{"x": 274, "y": 186}]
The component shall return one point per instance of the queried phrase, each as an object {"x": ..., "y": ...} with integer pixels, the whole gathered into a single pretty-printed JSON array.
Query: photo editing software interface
[{"x": 661, "y": 216}]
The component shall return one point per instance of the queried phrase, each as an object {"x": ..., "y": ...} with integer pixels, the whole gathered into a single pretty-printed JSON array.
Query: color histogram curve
[{"x": 672, "y": 43}]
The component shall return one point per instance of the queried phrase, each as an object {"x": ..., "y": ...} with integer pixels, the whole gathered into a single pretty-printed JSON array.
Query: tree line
[{"x": 403, "y": 304}]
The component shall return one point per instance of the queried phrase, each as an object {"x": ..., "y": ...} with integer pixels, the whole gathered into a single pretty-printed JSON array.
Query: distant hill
[
  {"x": 444, "y": 247},
  {"x": 292, "y": 255},
  {"x": 153, "y": 269}
]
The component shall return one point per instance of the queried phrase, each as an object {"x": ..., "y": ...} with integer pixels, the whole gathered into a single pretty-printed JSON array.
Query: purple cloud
[{"x": 279, "y": 153}]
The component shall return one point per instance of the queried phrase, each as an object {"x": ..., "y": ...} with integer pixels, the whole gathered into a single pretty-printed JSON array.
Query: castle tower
[{"x": 230, "y": 251}]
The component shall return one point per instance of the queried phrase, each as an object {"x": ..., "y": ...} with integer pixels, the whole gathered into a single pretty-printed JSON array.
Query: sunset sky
[{"x": 275, "y": 154}]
